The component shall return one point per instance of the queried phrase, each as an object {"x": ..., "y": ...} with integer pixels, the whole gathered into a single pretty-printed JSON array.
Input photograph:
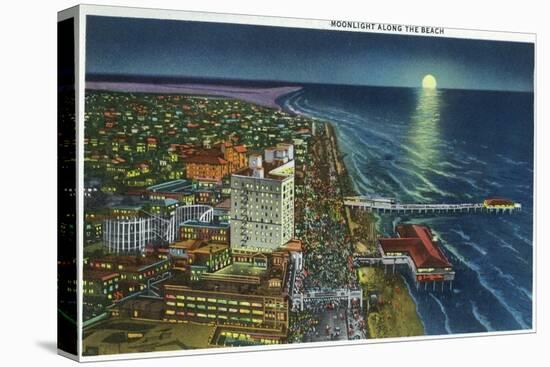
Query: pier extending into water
[{"x": 391, "y": 206}]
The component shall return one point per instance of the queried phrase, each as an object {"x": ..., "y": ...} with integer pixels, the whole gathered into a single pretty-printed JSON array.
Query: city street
[{"x": 332, "y": 326}]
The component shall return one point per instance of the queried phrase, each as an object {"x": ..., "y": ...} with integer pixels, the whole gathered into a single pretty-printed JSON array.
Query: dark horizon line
[{"x": 272, "y": 83}]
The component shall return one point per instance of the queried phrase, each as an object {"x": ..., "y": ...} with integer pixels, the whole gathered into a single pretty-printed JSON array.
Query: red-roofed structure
[
  {"x": 498, "y": 202},
  {"x": 416, "y": 247},
  {"x": 214, "y": 163}
]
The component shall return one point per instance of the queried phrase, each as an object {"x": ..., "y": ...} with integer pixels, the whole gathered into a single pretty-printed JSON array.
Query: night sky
[{"x": 230, "y": 51}]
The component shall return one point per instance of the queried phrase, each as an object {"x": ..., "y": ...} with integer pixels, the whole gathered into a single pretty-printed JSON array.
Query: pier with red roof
[{"x": 415, "y": 247}]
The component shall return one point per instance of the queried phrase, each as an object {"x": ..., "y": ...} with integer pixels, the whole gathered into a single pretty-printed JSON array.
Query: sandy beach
[
  {"x": 266, "y": 97},
  {"x": 395, "y": 314}
]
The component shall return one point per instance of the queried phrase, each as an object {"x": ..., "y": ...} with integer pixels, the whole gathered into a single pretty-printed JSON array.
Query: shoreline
[
  {"x": 401, "y": 318},
  {"x": 266, "y": 97}
]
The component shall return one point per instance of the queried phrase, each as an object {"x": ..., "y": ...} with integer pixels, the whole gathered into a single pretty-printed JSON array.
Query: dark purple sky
[{"x": 230, "y": 51}]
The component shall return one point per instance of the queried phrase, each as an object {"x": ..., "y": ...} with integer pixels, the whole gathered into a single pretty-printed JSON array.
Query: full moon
[{"x": 429, "y": 82}]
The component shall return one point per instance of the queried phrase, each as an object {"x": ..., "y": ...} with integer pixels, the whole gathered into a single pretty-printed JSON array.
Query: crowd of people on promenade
[
  {"x": 301, "y": 325},
  {"x": 327, "y": 244},
  {"x": 356, "y": 323}
]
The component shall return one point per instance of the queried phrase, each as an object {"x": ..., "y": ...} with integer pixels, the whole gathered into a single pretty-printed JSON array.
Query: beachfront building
[
  {"x": 238, "y": 298},
  {"x": 262, "y": 201},
  {"x": 417, "y": 248}
]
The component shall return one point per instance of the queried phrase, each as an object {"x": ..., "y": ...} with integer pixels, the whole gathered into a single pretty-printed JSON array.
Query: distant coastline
[{"x": 263, "y": 96}]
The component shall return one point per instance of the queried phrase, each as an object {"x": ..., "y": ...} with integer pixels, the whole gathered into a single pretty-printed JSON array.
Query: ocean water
[{"x": 449, "y": 146}]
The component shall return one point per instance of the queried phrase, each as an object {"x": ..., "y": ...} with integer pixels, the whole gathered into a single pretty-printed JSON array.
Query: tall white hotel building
[{"x": 262, "y": 201}]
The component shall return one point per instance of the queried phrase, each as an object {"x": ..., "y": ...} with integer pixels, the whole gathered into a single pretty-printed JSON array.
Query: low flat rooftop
[
  {"x": 127, "y": 261},
  {"x": 211, "y": 248},
  {"x": 197, "y": 223},
  {"x": 171, "y": 186},
  {"x": 271, "y": 171},
  {"x": 241, "y": 269},
  {"x": 241, "y": 279},
  {"x": 94, "y": 274}
]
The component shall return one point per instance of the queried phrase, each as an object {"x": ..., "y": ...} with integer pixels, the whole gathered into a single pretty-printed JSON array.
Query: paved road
[{"x": 334, "y": 320}]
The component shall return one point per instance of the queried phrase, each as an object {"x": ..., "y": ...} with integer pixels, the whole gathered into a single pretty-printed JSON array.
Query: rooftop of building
[
  {"x": 142, "y": 304},
  {"x": 210, "y": 248},
  {"x": 224, "y": 204},
  {"x": 198, "y": 223},
  {"x": 96, "y": 274},
  {"x": 274, "y": 170},
  {"x": 416, "y": 241},
  {"x": 128, "y": 262},
  {"x": 240, "y": 149},
  {"x": 134, "y": 207},
  {"x": 200, "y": 246},
  {"x": 206, "y": 159},
  {"x": 173, "y": 186},
  {"x": 238, "y": 278},
  {"x": 165, "y": 202},
  {"x": 498, "y": 202},
  {"x": 212, "y": 155},
  {"x": 186, "y": 244},
  {"x": 294, "y": 245},
  {"x": 241, "y": 269}
]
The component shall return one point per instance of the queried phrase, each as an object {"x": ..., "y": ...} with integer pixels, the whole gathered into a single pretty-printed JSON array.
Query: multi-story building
[
  {"x": 102, "y": 283},
  {"x": 92, "y": 231},
  {"x": 240, "y": 297},
  {"x": 197, "y": 257},
  {"x": 262, "y": 201},
  {"x": 133, "y": 268},
  {"x": 209, "y": 231},
  {"x": 100, "y": 288},
  {"x": 121, "y": 211},
  {"x": 281, "y": 153},
  {"x": 225, "y": 307},
  {"x": 215, "y": 163}
]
